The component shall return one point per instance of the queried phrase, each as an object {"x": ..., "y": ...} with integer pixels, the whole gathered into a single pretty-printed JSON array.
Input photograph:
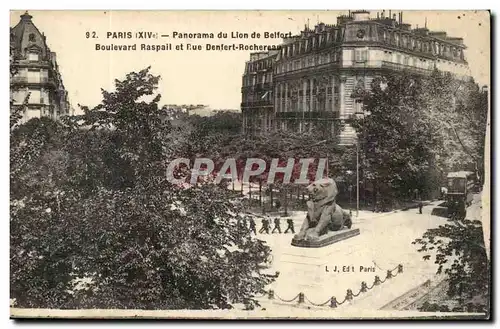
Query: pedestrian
[
  {"x": 420, "y": 206},
  {"x": 277, "y": 225},
  {"x": 253, "y": 226},
  {"x": 265, "y": 226},
  {"x": 289, "y": 221}
]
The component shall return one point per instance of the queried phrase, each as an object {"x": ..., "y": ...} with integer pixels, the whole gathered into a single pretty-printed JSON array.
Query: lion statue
[{"x": 323, "y": 214}]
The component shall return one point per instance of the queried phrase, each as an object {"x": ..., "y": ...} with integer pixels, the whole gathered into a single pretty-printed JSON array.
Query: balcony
[
  {"x": 403, "y": 67},
  {"x": 265, "y": 86},
  {"x": 386, "y": 65},
  {"x": 256, "y": 104},
  {"x": 317, "y": 67},
  {"x": 312, "y": 115},
  {"x": 32, "y": 64},
  {"x": 18, "y": 80}
]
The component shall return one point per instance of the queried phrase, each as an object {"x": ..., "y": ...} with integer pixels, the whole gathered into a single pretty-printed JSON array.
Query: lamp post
[
  {"x": 357, "y": 178},
  {"x": 357, "y": 167}
]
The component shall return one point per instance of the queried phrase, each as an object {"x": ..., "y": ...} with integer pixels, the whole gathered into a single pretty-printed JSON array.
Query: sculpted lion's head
[{"x": 323, "y": 189}]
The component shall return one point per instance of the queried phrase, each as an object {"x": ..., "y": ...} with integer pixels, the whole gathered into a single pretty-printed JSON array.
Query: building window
[
  {"x": 32, "y": 37},
  {"x": 360, "y": 55},
  {"x": 43, "y": 97},
  {"x": 33, "y": 56},
  {"x": 34, "y": 97},
  {"x": 34, "y": 76},
  {"x": 18, "y": 96}
]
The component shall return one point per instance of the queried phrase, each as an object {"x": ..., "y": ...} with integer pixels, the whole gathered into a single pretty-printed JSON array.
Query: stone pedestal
[{"x": 327, "y": 239}]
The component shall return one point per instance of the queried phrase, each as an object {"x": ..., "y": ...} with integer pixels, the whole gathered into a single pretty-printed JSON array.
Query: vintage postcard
[{"x": 250, "y": 164}]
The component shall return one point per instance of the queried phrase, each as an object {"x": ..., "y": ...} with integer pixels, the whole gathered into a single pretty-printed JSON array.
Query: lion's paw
[
  {"x": 312, "y": 236},
  {"x": 299, "y": 236}
]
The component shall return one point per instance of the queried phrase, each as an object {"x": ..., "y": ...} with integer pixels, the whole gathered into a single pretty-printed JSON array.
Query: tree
[
  {"x": 457, "y": 118},
  {"x": 417, "y": 129},
  {"x": 395, "y": 137},
  {"x": 114, "y": 220},
  {"x": 462, "y": 257}
]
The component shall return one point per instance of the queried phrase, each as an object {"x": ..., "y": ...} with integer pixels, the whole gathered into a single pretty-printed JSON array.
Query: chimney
[
  {"x": 361, "y": 15},
  {"x": 406, "y": 27},
  {"x": 377, "y": 15},
  {"x": 389, "y": 13}
]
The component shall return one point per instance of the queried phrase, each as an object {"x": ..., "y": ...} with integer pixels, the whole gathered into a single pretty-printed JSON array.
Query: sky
[{"x": 212, "y": 78}]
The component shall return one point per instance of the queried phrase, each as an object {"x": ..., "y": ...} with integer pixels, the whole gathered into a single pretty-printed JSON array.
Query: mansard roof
[{"x": 26, "y": 35}]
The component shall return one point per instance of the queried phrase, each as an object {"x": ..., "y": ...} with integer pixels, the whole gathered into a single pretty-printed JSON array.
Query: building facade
[
  {"x": 257, "y": 92},
  {"x": 315, "y": 73},
  {"x": 35, "y": 73}
]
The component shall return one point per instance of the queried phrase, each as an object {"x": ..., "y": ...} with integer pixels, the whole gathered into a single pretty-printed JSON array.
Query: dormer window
[
  {"x": 32, "y": 37},
  {"x": 33, "y": 57}
]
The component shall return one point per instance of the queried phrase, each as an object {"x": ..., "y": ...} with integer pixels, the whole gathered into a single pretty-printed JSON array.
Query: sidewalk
[
  {"x": 363, "y": 214},
  {"x": 366, "y": 214}
]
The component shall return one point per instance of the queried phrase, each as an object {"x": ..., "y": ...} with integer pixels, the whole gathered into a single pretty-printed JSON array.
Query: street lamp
[{"x": 357, "y": 167}]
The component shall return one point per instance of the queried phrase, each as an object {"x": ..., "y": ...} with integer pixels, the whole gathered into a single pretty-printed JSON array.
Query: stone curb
[{"x": 425, "y": 203}]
